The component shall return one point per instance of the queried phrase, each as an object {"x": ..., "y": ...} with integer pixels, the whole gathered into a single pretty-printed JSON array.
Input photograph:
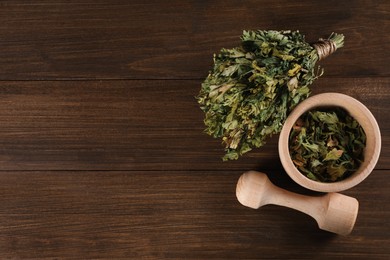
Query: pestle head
[
  {"x": 251, "y": 188},
  {"x": 340, "y": 214}
]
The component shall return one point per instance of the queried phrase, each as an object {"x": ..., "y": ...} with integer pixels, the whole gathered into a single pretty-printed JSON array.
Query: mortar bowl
[{"x": 360, "y": 113}]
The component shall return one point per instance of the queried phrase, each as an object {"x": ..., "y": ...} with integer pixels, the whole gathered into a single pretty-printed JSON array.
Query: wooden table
[{"x": 102, "y": 150}]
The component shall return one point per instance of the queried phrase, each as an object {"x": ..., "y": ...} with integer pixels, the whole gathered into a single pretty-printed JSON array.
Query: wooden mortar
[{"x": 356, "y": 110}]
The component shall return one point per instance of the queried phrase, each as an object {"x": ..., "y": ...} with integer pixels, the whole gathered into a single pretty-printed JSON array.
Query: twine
[{"x": 324, "y": 48}]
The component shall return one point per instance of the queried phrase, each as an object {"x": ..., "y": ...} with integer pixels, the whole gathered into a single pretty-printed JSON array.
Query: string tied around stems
[{"x": 325, "y": 47}]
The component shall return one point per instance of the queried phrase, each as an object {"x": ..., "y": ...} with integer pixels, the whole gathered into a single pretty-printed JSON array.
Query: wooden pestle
[{"x": 333, "y": 212}]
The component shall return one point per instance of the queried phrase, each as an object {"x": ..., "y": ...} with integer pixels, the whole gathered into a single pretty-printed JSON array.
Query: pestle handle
[{"x": 333, "y": 212}]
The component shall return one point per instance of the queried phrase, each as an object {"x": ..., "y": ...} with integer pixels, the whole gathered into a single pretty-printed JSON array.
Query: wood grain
[
  {"x": 136, "y": 125},
  {"x": 175, "y": 39},
  {"x": 102, "y": 150},
  {"x": 165, "y": 214}
]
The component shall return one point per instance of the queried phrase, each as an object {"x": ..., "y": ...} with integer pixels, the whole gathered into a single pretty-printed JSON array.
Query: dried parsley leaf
[
  {"x": 252, "y": 88},
  {"x": 327, "y": 144}
]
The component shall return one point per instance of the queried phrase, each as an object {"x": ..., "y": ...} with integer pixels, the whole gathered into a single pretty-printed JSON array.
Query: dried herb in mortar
[
  {"x": 327, "y": 145},
  {"x": 252, "y": 88}
]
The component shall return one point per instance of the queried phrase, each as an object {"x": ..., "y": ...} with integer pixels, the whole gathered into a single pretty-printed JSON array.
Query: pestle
[{"x": 333, "y": 212}]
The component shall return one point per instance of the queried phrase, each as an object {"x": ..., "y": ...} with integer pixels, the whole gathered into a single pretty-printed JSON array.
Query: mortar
[{"x": 358, "y": 111}]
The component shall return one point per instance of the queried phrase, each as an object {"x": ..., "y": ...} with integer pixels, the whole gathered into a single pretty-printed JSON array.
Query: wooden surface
[{"x": 102, "y": 150}]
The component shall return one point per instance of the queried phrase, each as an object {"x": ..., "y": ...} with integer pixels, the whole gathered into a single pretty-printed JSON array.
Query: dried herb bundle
[
  {"x": 252, "y": 88},
  {"x": 327, "y": 145}
]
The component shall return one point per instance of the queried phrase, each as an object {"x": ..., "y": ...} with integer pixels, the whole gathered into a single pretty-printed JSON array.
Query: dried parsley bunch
[
  {"x": 327, "y": 145},
  {"x": 252, "y": 88}
]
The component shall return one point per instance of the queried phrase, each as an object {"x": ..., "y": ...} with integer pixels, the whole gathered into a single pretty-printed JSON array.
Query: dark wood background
[{"x": 102, "y": 150}]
